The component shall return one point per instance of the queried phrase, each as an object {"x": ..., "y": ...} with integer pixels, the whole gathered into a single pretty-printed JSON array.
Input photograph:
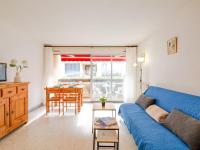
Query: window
[
  {"x": 106, "y": 70},
  {"x": 88, "y": 68},
  {"x": 72, "y": 69}
]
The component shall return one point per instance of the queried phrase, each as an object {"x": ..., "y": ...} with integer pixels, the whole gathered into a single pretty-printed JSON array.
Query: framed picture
[{"x": 172, "y": 45}]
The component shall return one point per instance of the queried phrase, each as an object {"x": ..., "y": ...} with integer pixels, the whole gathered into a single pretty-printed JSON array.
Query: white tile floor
[{"x": 54, "y": 132}]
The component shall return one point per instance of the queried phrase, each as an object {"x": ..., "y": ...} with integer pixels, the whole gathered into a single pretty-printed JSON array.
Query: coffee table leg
[
  {"x": 118, "y": 146},
  {"x": 94, "y": 136},
  {"x": 118, "y": 141},
  {"x": 92, "y": 120},
  {"x": 97, "y": 145}
]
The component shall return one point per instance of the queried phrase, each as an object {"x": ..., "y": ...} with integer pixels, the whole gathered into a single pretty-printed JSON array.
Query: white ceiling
[{"x": 88, "y": 22}]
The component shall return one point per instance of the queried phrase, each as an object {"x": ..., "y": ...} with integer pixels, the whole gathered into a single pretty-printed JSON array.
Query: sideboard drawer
[
  {"x": 8, "y": 92},
  {"x": 22, "y": 89}
]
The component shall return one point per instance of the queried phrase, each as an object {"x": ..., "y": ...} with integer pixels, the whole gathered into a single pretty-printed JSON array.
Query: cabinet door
[
  {"x": 4, "y": 115},
  {"x": 18, "y": 109}
]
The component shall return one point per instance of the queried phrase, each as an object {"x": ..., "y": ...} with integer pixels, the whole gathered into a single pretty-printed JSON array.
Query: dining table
[{"x": 78, "y": 89}]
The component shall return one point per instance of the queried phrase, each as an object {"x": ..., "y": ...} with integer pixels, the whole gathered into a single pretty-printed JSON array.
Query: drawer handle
[
  {"x": 7, "y": 114},
  {"x": 9, "y": 92},
  {"x": 12, "y": 112},
  {"x": 23, "y": 89}
]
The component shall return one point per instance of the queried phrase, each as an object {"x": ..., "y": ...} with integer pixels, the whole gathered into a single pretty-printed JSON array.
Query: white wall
[
  {"x": 180, "y": 71},
  {"x": 19, "y": 45}
]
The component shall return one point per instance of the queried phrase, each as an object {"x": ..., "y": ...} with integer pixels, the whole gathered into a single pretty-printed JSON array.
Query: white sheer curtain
[
  {"x": 48, "y": 67},
  {"x": 58, "y": 68},
  {"x": 130, "y": 77},
  {"x": 53, "y": 67}
]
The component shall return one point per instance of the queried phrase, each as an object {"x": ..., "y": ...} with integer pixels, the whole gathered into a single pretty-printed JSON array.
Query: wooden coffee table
[
  {"x": 105, "y": 134},
  {"x": 107, "y": 107}
]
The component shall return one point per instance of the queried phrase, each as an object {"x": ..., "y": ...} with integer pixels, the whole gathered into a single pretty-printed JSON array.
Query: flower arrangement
[
  {"x": 103, "y": 100},
  {"x": 19, "y": 67}
]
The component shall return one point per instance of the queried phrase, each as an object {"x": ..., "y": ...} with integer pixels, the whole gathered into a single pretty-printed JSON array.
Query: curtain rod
[{"x": 47, "y": 45}]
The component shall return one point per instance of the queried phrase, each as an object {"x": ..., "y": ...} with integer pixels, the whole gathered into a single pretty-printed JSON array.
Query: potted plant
[
  {"x": 19, "y": 68},
  {"x": 103, "y": 100}
]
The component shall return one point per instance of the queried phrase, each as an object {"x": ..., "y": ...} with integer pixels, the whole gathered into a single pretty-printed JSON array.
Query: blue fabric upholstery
[
  {"x": 168, "y": 99},
  {"x": 128, "y": 110},
  {"x": 150, "y": 135}
]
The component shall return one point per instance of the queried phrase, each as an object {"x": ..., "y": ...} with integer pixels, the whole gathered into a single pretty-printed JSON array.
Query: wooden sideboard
[{"x": 13, "y": 106}]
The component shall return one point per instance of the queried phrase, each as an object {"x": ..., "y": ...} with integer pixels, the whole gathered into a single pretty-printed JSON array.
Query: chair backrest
[
  {"x": 80, "y": 93},
  {"x": 79, "y": 90},
  {"x": 53, "y": 92},
  {"x": 68, "y": 90}
]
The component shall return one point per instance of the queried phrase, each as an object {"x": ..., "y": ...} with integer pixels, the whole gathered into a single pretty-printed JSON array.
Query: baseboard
[
  {"x": 36, "y": 107},
  {"x": 41, "y": 104},
  {"x": 100, "y": 102}
]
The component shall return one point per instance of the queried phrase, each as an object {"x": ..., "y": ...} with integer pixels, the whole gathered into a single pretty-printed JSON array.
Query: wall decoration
[{"x": 172, "y": 45}]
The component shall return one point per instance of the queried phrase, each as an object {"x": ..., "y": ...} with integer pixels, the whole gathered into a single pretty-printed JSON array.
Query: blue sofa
[{"x": 150, "y": 135}]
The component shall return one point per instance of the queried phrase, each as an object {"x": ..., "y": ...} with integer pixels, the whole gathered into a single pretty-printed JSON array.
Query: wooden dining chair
[
  {"x": 53, "y": 98},
  {"x": 69, "y": 96},
  {"x": 80, "y": 95}
]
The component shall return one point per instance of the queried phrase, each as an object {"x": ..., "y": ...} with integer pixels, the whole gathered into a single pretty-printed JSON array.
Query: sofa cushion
[
  {"x": 185, "y": 127},
  {"x": 157, "y": 113},
  {"x": 147, "y": 133},
  {"x": 144, "y": 101}
]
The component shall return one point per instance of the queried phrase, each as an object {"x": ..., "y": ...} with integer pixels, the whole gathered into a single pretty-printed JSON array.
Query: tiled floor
[{"x": 54, "y": 132}]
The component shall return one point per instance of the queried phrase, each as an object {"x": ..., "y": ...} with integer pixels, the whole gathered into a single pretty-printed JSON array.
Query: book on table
[{"x": 106, "y": 121}]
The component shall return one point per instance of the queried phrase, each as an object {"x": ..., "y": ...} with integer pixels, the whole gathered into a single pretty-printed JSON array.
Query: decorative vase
[
  {"x": 17, "y": 77},
  {"x": 103, "y": 104}
]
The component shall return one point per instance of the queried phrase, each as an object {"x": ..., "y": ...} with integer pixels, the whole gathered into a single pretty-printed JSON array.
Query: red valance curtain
[{"x": 88, "y": 57}]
